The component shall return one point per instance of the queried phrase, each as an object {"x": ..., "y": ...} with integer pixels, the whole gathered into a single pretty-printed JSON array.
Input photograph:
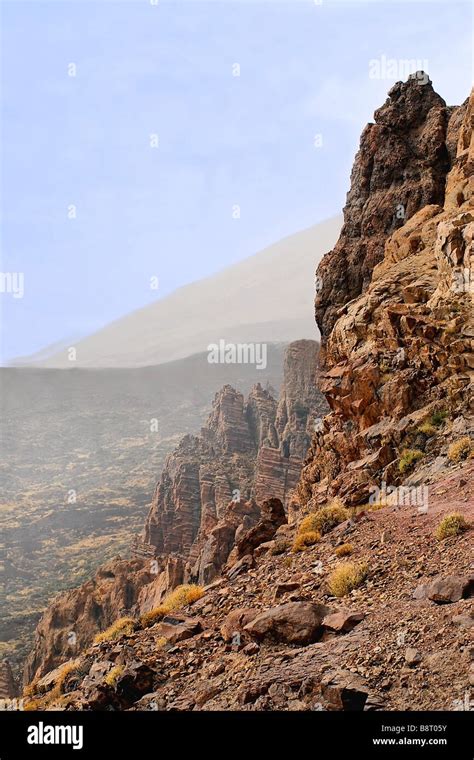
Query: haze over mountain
[{"x": 265, "y": 298}]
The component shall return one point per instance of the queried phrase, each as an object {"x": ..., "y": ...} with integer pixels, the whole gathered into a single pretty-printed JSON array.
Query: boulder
[
  {"x": 412, "y": 656},
  {"x": 291, "y": 623},
  {"x": 273, "y": 516},
  {"x": 285, "y": 588},
  {"x": 135, "y": 681},
  {"x": 342, "y": 621},
  {"x": 178, "y": 629},
  {"x": 342, "y": 690},
  {"x": 446, "y": 589},
  {"x": 236, "y": 621}
]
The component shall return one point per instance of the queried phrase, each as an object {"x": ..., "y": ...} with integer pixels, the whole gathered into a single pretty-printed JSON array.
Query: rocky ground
[{"x": 401, "y": 651}]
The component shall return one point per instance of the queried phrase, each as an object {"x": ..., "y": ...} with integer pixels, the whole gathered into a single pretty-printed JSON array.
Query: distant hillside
[
  {"x": 90, "y": 431},
  {"x": 267, "y": 297}
]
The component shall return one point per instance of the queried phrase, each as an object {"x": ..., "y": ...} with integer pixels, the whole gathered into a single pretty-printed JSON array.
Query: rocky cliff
[{"x": 395, "y": 308}]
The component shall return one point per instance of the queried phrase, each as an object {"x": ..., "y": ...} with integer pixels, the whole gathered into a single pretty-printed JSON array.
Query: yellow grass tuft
[
  {"x": 179, "y": 597},
  {"x": 303, "y": 540},
  {"x": 346, "y": 577},
  {"x": 122, "y": 626},
  {"x": 408, "y": 458},
  {"x": 460, "y": 449},
  {"x": 451, "y": 525},
  {"x": 325, "y": 519},
  {"x": 427, "y": 429},
  {"x": 344, "y": 550},
  {"x": 113, "y": 675}
]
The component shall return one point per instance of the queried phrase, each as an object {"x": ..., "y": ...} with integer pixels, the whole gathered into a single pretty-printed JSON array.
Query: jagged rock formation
[
  {"x": 396, "y": 305},
  {"x": 249, "y": 450},
  {"x": 401, "y": 167}
]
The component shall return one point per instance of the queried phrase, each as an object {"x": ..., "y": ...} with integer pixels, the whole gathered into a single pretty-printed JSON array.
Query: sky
[{"x": 146, "y": 144}]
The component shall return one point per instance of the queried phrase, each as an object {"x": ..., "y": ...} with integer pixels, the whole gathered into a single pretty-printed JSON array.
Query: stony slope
[{"x": 392, "y": 648}]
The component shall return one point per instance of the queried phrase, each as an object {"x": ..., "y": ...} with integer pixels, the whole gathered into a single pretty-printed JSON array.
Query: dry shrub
[
  {"x": 346, "y": 577},
  {"x": 122, "y": 626},
  {"x": 460, "y": 449},
  {"x": 179, "y": 597},
  {"x": 303, "y": 540},
  {"x": 344, "y": 550},
  {"x": 325, "y": 519},
  {"x": 451, "y": 525},
  {"x": 427, "y": 429},
  {"x": 408, "y": 458},
  {"x": 113, "y": 675}
]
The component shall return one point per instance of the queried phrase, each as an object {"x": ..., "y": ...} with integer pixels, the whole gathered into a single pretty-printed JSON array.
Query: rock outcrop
[
  {"x": 395, "y": 309},
  {"x": 8, "y": 685},
  {"x": 72, "y": 620},
  {"x": 249, "y": 449}
]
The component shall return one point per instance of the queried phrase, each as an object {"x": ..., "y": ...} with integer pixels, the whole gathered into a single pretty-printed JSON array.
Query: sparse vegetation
[
  {"x": 437, "y": 418},
  {"x": 460, "y": 449},
  {"x": 280, "y": 546},
  {"x": 344, "y": 550},
  {"x": 122, "y": 626},
  {"x": 427, "y": 429},
  {"x": 179, "y": 597},
  {"x": 306, "y": 539},
  {"x": 113, "y": 675},
  {"x": 346, "y": 577},
  {"x": 316, "y": 524},
  {"x": 325, "y": 519},
  {"x": 408, "y": 458},
  {"x": 45, "y": 700},
  {"x": 451, "y": 525}
]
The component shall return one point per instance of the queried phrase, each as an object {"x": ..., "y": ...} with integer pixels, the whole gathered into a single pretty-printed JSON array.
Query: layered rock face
[
  {"x": 395, "y": 309},
  {"x": 248, "y": 451}
]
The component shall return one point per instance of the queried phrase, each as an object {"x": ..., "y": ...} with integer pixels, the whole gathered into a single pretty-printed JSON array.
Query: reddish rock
[
  {"x": 342, "y": 621},
  {"x": 292, "y": 623},
  {"x": 236, "y": 621},
  {"x": 446, "y": 589},
  {"x": 343, "y": 690}
]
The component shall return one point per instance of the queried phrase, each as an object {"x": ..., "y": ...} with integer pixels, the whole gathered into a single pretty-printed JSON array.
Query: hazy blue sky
[{"x": 167, "y": 69}]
